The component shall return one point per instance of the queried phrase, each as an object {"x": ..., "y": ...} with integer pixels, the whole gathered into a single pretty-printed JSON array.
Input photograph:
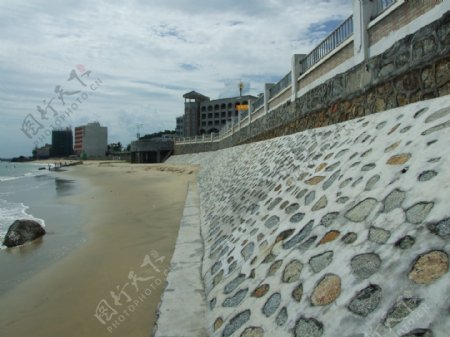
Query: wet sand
[{"x": 116, "y": 278}]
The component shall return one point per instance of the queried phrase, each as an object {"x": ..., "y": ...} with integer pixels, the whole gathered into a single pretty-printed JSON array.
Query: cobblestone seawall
[
  {"x": 336, "y": 231},
  {"x": 413, "y": 69}
]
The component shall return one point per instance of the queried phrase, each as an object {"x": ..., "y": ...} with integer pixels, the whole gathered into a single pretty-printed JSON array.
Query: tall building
[
  {"x": 91, "y": 140},
  {"x": 62, "y": 142},
  {"x": 191, "y": 119},
  {"x": 202, "y": 115}
]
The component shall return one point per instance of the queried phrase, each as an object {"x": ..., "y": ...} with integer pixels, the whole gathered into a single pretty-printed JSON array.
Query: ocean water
[
  {"x": 29, "y": 193},
  {"x": 13, "y": 177}
]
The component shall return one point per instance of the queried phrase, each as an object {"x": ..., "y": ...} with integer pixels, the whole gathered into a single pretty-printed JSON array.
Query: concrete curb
[{"x": 182, "y": 308}]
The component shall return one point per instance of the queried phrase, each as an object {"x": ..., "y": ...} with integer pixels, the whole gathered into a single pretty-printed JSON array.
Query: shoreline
[{"x": 133, "y": 214}]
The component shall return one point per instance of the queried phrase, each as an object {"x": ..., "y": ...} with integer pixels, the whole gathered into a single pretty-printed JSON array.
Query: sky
[{"x": 128, "y": 63}]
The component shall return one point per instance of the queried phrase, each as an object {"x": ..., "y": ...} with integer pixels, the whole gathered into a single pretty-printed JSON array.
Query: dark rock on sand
[{"x": 22, "y": 231}]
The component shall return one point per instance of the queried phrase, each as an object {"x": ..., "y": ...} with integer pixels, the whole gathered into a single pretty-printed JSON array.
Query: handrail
[
  {"x": 258, "y": 103},
  {"x": 331, "y": 42},
  {"x": 381, "y": 6},
  {"x": 282, "y": 84}
]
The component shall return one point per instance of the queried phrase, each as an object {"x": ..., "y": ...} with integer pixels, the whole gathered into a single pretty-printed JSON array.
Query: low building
[
  {"x": 179, "y": 127},
  {"x": 154, "y": 150},
  {"x": 91, "y": 140}
]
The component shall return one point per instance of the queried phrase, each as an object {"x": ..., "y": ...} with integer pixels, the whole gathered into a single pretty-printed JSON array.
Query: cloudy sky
[{"x": 124, "y": 63}]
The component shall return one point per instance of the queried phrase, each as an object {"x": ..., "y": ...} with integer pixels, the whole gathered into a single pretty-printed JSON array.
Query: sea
[{"x": 32, "y": 191}]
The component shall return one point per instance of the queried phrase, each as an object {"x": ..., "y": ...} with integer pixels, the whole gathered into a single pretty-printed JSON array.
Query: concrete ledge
[{"x": 182, "y": 309}]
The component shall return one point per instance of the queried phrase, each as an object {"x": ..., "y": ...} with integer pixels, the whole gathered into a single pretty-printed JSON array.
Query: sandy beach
[{"x": 110, "y": 285}]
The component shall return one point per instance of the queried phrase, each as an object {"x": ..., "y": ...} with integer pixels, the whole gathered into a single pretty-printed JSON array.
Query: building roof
[{"x": 195, "y": 95}]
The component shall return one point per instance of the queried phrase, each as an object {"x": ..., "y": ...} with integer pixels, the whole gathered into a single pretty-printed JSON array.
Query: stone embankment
[{"x": 337, "y": 231}]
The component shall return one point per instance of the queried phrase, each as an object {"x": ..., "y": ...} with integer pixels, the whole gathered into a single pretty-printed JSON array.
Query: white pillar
[
  {"x": 362, "y": 11},
  {"x": 267, "y": 86},
  {"x": 295, "y": 74}
]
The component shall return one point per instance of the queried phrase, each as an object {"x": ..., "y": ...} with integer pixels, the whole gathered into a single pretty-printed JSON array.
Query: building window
[
  {"x": 229, "y": 113},
  {"x": 203, "y": 123},
  {"x": 224, "y": 114},
  {"x": 224, "y": 121},
  {"x": 210, "y": 123},
  {"x": 216, "y": 107},
  {"x": 203, "y": 108},
  {"x": 209, "y": 107},
  {"x": 230, "y": 105},
  {"x": 203, "y": 116},
  {"x": 223, "y": 106},
  {"x": 236, "y": 112},
  {"x": 210, "y": 115},
  {"x": 216, "y": 115}
]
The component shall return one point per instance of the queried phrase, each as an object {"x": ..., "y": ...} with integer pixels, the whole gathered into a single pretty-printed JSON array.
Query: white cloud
[{"x": 148, "y": 54}]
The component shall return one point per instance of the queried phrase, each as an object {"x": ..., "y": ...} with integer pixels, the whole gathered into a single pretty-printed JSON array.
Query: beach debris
[{"x": 22, "y": 231}]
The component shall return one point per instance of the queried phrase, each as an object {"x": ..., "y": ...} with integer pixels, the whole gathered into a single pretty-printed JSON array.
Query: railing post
[
  {"x": 267, "y": 87},
  {"x": 362, "y": 11},
  {"x": 295, "y": 74}
]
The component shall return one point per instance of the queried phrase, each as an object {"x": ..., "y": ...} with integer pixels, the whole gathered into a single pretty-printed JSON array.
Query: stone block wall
[{"x": 414, "y": 68}]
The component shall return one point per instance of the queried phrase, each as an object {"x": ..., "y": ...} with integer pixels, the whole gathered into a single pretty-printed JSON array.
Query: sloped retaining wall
[{"x": 336, "y": 231}]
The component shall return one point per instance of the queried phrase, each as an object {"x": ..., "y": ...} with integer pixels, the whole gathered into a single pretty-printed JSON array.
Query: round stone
[
  {"x": 366, "y": 300},
  {"x": 300, "y": 236},
  {"x": 292, "y": 208},
  {"x": 349, "y": 238},
  {"x": 218, "y": 323},
  {"x": 327, "y": 290},
  {"x": 429, "y": 267},
  {"x": 292, "y": 271},
  {"x": 284, "y": 235},
  {"x": 321, "y": 261},
  {"x": 247, "y": 251},
  {"x": 282, "y": 317},
  {"x": 308, "y": 327},
  {"x": 427, "y": 175},
  {"x": 212, "y": 303},
  {"x": 442, "y": 228},
  {"x": 331, "y": 180},
  {"x": 379, "y": 235},
  {"x": 274, "y": 267},
  {"x": 372, "y": 182},
  {"x": 297, "y": 217},
  {"x": 368, "y": 167},
  {"x": 236, "y": 299},
  {"x": 253, "y": 332},
  {"x": 297, "y": 292},
  {"x": 328, "y": 237},
  {"x": 314, "y": 180},
  {"x": 417, "y": 213},
  {"x": 400, "y": 310},
  {"x": 405, "y": 242},
  {"x": 328, "y": 219},
  {"x": 362, "y": 210},
  {"x": 392, "y": 147},
  {"x": 419, "y": 333},
  {"x": 261, "y": 290},
  {"x": 399, "y": 159},
  {"x": 272, "y": 304},
  {"x": 236, "y": 322},
  {"x": 233, "y": 284},
  {"x": 309, "y": 198},
  {"x": 272, "y": 221},
  {"x": 365, "y": 265},
  {"x": 437, "y": 115},
  {"x": 321, "y": 203},
  {"x": 394, "y": 200}
]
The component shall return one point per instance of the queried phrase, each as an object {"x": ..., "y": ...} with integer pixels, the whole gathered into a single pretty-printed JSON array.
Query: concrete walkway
[{"x": 182, "y": 310}]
